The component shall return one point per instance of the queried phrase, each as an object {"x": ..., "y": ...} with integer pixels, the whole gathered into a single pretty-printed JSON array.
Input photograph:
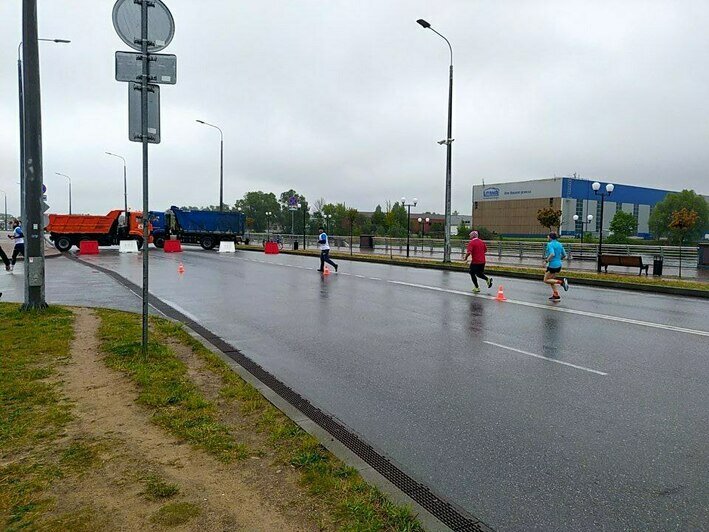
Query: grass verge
[
  {"x": 33, "y": 414},
  {"x": 353, "y": 503},
  {"x": 164, "y": 386}
]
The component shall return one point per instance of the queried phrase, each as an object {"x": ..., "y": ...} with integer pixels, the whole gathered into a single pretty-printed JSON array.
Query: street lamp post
[
  {"x": 603, "y": 194},
  {"x": 68, "y": 179},
  {"x": 5, "y": 218},
  {"x": 448, "y": 141},
  {"x": 125, "y": 182},
  {"x": 268, "y": 226},
  {"x": 327, "y": 217},
  {"x": 408, "y": 220},
  {"x": 221, "y": 163},
  {"x": 20, "y": 93},
  {"x": 305, "y": 210},
  {"x": 589, "y": 219}
]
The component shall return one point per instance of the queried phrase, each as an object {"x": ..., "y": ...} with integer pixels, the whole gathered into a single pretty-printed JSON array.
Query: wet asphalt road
[{"x": 588, "y": 414}]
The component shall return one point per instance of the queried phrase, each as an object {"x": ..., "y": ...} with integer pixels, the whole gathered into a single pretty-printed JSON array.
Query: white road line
[
  {"x": 545, "y": 358},
  {"x": 565, "y": 310},
  {"x": 533, "y": 305}
]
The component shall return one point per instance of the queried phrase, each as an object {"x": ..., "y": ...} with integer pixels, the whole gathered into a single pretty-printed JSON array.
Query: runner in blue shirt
[
  {"x": 324, "y": 251},
  {"x": 19, "y": 239},
  {"x": 555, "y": 252}
]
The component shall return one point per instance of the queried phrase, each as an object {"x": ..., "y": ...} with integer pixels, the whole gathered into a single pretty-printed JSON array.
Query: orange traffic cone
[
  {"x": 181, "y": 269},
  {"x": 500, "y": 294},
  {"x": 326, "y": 271}
]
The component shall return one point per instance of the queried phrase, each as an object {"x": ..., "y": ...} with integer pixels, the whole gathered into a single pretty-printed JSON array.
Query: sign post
[{"x": 146, "y": 26}]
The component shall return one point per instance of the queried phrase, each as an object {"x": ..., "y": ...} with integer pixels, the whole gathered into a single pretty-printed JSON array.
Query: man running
[
  {"x": 19, "y": 238},
  {"x": 476, "y": 251},
  {"x": 324, "y": 251},
  {"x": 555, "y": 252}
]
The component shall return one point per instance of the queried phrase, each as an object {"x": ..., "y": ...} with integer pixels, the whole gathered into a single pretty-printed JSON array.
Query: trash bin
[
  {"x": 366, "y": 242},
  {"x": 657, "y": 265},
  {"x": 295, "y": 245}
]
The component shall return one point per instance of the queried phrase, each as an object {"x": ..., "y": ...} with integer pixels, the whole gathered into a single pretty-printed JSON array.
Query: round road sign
[{"x": 161, "y": 25}]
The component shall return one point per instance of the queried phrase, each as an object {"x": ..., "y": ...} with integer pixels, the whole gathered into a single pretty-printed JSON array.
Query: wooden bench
[{"x": 629, "y": 261}]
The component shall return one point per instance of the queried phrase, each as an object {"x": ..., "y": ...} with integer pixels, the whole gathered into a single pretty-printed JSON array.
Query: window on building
[
  {"x": 551, "y": 202},
  {"x": 476, "y": 204}
]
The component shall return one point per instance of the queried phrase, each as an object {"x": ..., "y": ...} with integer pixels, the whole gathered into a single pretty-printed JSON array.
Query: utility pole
[{"x": 32, "y": 163}]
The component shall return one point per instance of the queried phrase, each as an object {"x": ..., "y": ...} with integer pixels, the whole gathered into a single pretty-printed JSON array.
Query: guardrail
[{"x": 499, "y": 251}]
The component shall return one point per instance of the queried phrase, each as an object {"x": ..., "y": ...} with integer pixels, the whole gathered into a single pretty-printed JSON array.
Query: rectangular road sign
[
  {"x": 162, "y": 68},
  {"x": 134, "y": 114}
]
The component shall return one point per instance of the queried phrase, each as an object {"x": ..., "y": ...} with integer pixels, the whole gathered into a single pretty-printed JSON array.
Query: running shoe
[
  {"x": 565, "y": 284},
  {"x": 336, "y": 270},
  {"x": 489, "y": 282},
  {"x": 476, "y": 290},
  {"x": 554, "y": 298}
]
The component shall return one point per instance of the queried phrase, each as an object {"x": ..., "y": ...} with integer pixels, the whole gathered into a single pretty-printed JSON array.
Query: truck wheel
[
  {"x": 63, "y": 243},
  {"x": 159, "y": 242},
  {"x": 207, "y": 242}
]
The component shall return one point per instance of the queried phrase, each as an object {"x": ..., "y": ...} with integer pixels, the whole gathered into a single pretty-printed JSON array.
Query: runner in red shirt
[{"x": 476, "y": 251}]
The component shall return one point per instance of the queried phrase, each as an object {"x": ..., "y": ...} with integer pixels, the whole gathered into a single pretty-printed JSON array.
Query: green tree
[
  {"x": 549, "y": 217},
  {"x": 683, "y": 221},
  {"x": 622, "y": 225},
  {"x": 463, "y": 230},
  {"x": 379, "y": 218},
  {"x": 255, "y": 204},
  {"x": 661, "y": 216}
]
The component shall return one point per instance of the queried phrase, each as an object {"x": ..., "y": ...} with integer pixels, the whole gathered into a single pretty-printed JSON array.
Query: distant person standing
[
  {"x": 476, "y": 251},
  {"x": 19, "y": 238},
  {"x": 554, "y": 254},
  {"x": 324, "y": 250}
]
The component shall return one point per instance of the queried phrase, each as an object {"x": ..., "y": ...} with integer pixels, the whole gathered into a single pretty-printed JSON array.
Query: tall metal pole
[
  {"x": 125, "y": 182},
  {"x": 221, "y": 172},
  {"x": 600, "y": 236},
  {"x": 22, "y": 138},
  {"x": 449, "y": 155},
  {"x": 449, "y": 148},
  {"x": 4, "y": 225},
  {"x": 144, "y": 137},
  {"x": 304, "y": 211},
  {"x": 408, "y": 228},
  {"x": 32, "y": 161}
]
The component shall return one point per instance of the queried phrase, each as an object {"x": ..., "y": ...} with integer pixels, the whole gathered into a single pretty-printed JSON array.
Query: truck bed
[{"x": 82, "y": 223}]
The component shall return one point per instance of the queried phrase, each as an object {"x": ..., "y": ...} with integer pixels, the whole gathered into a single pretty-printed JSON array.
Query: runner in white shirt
[
  {"x": 324, "y": 251},
  {"x": 19, "y": 238}
]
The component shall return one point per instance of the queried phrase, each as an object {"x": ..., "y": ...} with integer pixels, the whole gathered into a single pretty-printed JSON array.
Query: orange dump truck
[{"x": 66, "y": 230}]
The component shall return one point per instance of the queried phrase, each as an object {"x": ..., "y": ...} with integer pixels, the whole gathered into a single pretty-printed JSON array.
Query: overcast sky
[{"x": 345, "y": 100}]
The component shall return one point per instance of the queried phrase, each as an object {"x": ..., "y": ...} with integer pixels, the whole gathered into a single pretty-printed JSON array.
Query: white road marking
[
  {"x": 180, "y": 309},
  {"x": 545, "y": 358},
  {"x": 529, "y": 304},
  {"x": 562, "y": 309}
]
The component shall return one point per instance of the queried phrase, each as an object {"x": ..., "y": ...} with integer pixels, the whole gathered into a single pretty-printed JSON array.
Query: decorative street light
[
  {"x": 327, "y": 217},
  {"x": 68, "y": 179},
  {"x": 408, "y": 220},
  {"x": 5, "y": 218},
  {"x": 221, "y": 162},
  {"x": 589, "y": 219},
  {"x": 603, "y": 194},
  {"x": 448, "y": 141},
  {"x": 305, "y": 211},
  {"x": 268, "y": 226},
  {"x": 125, "y": 182}
]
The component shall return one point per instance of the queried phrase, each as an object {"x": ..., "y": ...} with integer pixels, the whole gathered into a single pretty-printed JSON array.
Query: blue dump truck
[{"x": 206, "y": 228}]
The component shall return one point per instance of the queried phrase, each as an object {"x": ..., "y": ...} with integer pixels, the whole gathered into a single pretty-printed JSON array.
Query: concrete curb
[{"x": 636, "y": 287}]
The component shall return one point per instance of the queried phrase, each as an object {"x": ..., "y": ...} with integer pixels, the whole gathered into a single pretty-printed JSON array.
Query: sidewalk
[{"x": 8, "y": 245}]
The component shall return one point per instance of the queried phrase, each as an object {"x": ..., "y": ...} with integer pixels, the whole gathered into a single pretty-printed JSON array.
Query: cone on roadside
[
  {"x": 181, "y": 269},
  {"x": 501, "y": 294},
  {"x": 326, "y": 270}
]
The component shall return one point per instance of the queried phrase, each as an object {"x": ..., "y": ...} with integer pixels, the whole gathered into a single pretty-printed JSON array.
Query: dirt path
[{"x": 127, "y": 448}]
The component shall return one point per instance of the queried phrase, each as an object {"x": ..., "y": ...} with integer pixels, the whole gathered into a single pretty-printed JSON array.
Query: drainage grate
[{"x": 452, "y": 516}]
